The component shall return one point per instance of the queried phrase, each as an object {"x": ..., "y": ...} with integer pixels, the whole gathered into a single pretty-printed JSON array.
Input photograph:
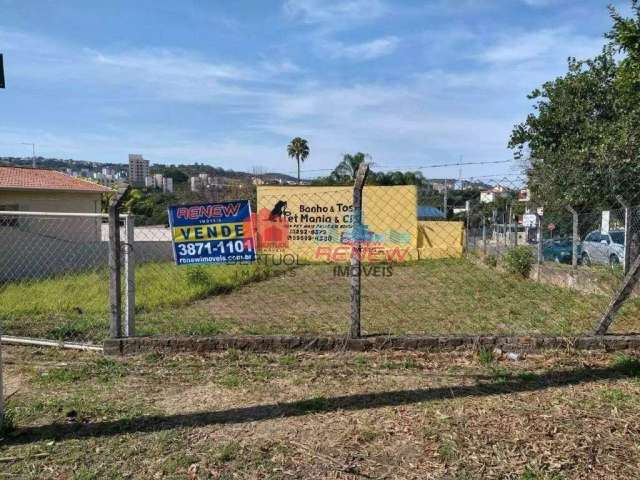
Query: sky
[{"x": 229, "y": 83}]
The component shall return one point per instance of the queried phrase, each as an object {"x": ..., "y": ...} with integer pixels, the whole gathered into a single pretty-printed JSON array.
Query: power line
[
  {"x": 414, "y": 167},
  {"x": 441, "y": 165}
]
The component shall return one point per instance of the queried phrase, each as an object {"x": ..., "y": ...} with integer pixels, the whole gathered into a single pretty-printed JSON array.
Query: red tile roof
[{"x": 17, "y": 178}]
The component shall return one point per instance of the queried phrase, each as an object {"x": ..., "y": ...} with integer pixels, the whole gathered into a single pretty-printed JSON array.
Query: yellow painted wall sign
[{"x": 316, "y": 223}]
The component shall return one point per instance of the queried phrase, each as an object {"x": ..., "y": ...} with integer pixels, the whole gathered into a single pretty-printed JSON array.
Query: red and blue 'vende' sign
[{"x": 212, "y": 233}]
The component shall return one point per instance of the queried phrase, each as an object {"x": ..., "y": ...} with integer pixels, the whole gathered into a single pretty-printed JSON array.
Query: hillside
[{"x": 187, "y": 169}]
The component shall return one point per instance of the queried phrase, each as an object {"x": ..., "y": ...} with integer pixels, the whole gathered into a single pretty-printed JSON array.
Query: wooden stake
[
  {"x": 621, "y": 296},
  {"x": 115, "y": 267},
  {"x": 356, "y": 250}
]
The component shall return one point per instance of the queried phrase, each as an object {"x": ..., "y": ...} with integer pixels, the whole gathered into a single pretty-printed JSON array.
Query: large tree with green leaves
[
  {"x": 298, "y": 148},
  {"x": 345, "y": 171},
  {"x": 581, "y": 145}
]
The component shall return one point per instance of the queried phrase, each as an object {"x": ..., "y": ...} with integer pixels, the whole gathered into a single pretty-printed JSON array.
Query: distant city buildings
[
  {"x": 205, "y": 181},
  {"x": 441, "y": 185},
  {"x": 490, "y": 195},
  {"x": 159, "y": 182},
  {"x": 138, "y": 169}
]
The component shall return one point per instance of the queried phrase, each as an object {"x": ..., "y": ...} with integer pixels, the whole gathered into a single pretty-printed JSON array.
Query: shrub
[
  {"x": 519, "y": 261},
  {"x": 485, "y": 356},
  {"x": 7, "y": 423},
  {"x": 198, "y": 276},
  {"x": 490, "y": 261}
]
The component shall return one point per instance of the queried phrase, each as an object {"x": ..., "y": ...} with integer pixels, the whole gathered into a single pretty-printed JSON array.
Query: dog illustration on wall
[{"x": 278, "y": 210}]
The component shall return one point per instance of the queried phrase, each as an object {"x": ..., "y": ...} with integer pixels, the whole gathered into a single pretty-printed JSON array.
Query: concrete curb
[{"x": 274, "y": 343}]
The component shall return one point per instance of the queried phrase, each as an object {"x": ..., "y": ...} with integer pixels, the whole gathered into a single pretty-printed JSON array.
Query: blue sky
[{"x": 412, "y": 83}]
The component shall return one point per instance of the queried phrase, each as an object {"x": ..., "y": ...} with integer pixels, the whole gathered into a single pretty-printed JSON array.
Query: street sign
[
  {"x": 212, "y": 233},
  {"x": 551, "y": 227},
  {"x": 529, "y": 220}
]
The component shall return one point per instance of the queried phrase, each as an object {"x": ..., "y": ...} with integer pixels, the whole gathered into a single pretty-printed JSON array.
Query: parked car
[
  {"x": 603, "y": 248},
  {"x": 559, "y": 250}
]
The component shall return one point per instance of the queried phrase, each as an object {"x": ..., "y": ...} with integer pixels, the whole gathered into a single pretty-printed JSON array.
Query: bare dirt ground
[{"x": 558, "y": 415}]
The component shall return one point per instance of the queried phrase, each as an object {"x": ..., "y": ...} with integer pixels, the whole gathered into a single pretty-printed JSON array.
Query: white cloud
[
  {"x": 277, "y": 67},
  {"x": 332, "y": 13},
  {"x": 170, "y": 63},
  {"x": 331, "y": 16},
  {"x": 540, "y": 3},
  {"x": 370, "y": 50},
  {"x": 173, "y": 146},
  {"x": 144, "y": 73},
  {"x": 413, "y": 119},
  {"x": 175, "y": 75},
  {"x": 519, "y": 47}
]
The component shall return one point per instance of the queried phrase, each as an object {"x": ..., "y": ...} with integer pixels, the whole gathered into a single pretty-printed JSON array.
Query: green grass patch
[
  {"x": 485, "y": 356},
  {"x": 102, "y": 370},
  {"x": 75, "y": 306},
  {"x": 288, "y": 360},
  {"x": 627, "y": 364},
  {"x": 446, "y": 296},
  {"x": 408, "y": 363},
  {"x": 226, "y": 452}
]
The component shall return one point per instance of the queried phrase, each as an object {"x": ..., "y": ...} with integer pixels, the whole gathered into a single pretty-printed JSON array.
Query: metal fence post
[
  {"x": 356, "y": 250},
  {"x": 467, "y": 206},
  {"x": 115, "y": 294},
  {"x": 540, "y": 239},
  {"x": 129, "y": 278},
  {"x": 627, "y": 233},
  {"x": 2, "y": 413},
  {"x": 484, "y": 235},
  {"x": 575, "y": 239},
  {"x": 513, "y": 228}
]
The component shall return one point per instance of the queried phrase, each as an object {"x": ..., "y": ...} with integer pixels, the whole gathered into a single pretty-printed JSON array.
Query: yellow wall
[
  {"x": 440, "y": 239},
  {"x": 388, "y": 211},
  {"x": 52, "y": 201}
]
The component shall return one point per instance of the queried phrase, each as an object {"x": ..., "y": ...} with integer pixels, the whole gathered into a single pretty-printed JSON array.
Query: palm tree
[
  {"x": 346, "y": 170},
  {"x": 298, "y": 148}
]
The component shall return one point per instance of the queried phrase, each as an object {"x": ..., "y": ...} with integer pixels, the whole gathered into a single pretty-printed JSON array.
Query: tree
[
  {"x": 134, "y": 197},
  {"x": 298, "y": 148},
  {"x": 346, "y": 170},
  {"x": 176, "y": 174},
  {"x": 581, "y": 145}
]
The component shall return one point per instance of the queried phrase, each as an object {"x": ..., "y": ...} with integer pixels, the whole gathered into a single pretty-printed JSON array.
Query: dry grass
[
  {"x": 448, "y": 296},
  {"x": 434, "y": 297},
  {"x": 396, "y": 415}
]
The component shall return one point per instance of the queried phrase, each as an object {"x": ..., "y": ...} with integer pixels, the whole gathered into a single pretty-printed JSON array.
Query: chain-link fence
[
  {"x": 54, "y": 280},
  {"x": 452, "y": 257}
]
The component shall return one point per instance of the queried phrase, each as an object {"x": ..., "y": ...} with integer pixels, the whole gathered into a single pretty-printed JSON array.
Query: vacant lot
[
  {"x": 77, "y": 305},
  {"x": 347, "y": 416},
  {"x": 433, "y": 297}
]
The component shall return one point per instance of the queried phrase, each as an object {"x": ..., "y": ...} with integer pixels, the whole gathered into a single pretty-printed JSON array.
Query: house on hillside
[{"x": 491, "y": 194}]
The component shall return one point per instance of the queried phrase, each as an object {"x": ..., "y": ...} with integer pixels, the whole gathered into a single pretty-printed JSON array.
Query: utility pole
[
  {"x": 1, "y": 72},
  {"x": 33, "y": 153},
  {"x": 445, "y": 199},
  {"x": 2, "y": 414}
]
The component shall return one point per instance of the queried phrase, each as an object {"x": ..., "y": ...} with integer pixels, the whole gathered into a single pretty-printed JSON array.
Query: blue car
[{"x": 559, "y": 250}]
